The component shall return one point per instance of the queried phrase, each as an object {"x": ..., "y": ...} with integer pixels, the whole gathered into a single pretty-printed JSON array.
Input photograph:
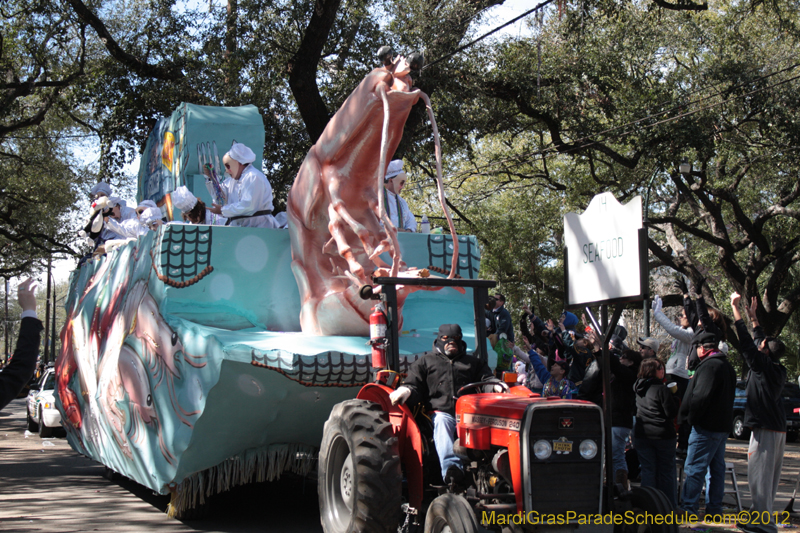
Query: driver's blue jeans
[{"x": 444, "y": 434}]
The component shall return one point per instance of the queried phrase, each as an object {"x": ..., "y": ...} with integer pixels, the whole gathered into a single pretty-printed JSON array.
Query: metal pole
[
  {"x": 646, "y": 221},
  {"x": 5, "y": 327},
  {"x": 47, "y": 314},
  {"x": 606, "y": 369},
  {"x": 53, "y": 336}
]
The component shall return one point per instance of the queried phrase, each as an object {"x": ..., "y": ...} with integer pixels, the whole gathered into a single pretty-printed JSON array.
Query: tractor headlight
[
  {"x": 542, "y": 449},
  {"x": 588, "y": 449}
]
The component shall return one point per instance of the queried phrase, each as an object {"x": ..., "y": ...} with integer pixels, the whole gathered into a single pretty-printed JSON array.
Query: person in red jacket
[{"x": 23, "y": 364}]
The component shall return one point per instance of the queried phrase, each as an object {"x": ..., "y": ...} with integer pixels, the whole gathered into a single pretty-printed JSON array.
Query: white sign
[{"x": 603, "y": 256}]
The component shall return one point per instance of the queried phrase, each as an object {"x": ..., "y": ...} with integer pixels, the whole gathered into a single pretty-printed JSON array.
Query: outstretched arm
[{"x": 23, "y": 364}]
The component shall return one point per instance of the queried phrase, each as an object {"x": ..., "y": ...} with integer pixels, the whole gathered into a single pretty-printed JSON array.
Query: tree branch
[{"x": 142, "y": 68}]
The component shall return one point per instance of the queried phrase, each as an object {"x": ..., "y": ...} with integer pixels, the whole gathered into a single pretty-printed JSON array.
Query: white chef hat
[
  {"x": 147, "y": 203},
  {"x": 394, "y": 169},
  {"x": 101, "y": 187},
  {"x": 241, "y": 153},
  {"x": 115, "y": 200},
  {"x": 150, "y": 215},
  {"x": 183, "y": 199}
]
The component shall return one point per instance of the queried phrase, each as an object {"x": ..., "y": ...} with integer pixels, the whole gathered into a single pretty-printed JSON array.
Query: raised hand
[
  {"x": 26, "y": 295},
  {"x": 526, "y": 344},
  {"x": 698, "y": 286},
  {"x": 657, "y": 304},
  {"x": 735, "y": 298},
  {"x": 680, "y": 284},
  {"x": 752, "y": 308}
]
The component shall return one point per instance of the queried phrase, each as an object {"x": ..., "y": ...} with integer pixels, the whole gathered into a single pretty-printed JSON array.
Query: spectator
[
  {"x": 434, "y": 379},
  {"x": 764, "y": 415},
  {"x": 396, "y": 208},
  {"x": 708, "y": 408},
  {"x": 622, "y": 400},
  {"x": 532, "y": 382},
  {"x": 654, "y": 432},
  {"x": 682, "y": 333},
  {"x": 503, "y": 318},
  {"x": 648, "y": 347},
  {"x": 504, "y": 349},
  {"x": 23, "y": 363},
  {"x": 249, "y": 194},
  {"x": 491, "y": 323},
  {"x": 538, "y": 326},
  {"x": 194, "y": 210},
  {"x": 707, "y": 318},
  {"x": 554, "y": 376},
  {"x": 617, "y": 343}
]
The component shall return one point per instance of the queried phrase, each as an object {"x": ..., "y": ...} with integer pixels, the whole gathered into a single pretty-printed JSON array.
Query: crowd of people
[{"x": 666, "y": 408}]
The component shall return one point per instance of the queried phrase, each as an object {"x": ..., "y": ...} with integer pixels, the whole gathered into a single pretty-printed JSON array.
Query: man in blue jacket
[
  {"x": 764, "y": 415},
  {"x": 503, "y": 318},
  {"x": 23, "y": 363}
]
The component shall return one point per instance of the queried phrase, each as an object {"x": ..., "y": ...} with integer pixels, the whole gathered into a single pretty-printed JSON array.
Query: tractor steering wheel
[{"x": 477, "y": 384}]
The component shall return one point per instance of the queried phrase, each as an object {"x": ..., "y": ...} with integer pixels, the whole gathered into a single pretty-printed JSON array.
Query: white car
[{"x": 42, "y": 412}]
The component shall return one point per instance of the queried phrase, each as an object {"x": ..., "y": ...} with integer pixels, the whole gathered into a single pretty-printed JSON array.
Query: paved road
[{"x": 46, "y": 486}]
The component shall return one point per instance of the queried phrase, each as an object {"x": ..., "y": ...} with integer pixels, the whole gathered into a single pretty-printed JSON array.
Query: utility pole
[
  {"x": 5, "y": 327},
  {"x": 47, "y": 314},
  {"x": 53, "y": 336}
]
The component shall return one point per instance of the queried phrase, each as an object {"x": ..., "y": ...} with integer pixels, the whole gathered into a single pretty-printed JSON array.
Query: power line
[
  {"x": 554, "y": 150},
  {"x": 485, "y": 35}
]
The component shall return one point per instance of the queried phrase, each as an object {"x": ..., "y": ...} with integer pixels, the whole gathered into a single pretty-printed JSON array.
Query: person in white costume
[
  {"x": 194, "y": 210},
  {"x": 249, "y": 193},
  {"x": 119, "y": 213},
  {"x": 101, "y": 188},
  {"x": 394, "y": 181},
  {"x": 148, "y": 217}
]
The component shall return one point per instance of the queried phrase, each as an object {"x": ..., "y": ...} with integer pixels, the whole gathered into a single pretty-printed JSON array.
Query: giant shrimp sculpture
[{"x": 336, "y": 204}]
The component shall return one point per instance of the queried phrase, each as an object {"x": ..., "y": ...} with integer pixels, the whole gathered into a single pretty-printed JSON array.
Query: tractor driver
[{"x": 434, "y": 379}]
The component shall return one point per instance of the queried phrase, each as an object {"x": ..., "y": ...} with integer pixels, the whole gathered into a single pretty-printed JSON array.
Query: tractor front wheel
[
  {"x": 360, "y": 480},
  {"x": 450, "y": 513},
  {"x": 648, "y": 501}
]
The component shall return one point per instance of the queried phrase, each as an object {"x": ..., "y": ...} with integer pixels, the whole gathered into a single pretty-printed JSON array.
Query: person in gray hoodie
[{"x": 676, "y": 365}]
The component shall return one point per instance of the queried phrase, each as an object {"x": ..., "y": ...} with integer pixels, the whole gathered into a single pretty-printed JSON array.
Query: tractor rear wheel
[
  {"x": 452, "y": 514},
  {"x": 360, "y": 480}
]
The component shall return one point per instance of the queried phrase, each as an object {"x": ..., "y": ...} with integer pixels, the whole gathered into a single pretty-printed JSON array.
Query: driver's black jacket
[{"x": 435, "y": 379}]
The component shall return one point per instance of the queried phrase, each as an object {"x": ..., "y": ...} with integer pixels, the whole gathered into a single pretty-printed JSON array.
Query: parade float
[{"x": 196, "y": 358}]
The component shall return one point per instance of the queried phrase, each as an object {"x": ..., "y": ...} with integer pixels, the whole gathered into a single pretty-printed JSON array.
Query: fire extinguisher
[{"x": 377, "y": 336}]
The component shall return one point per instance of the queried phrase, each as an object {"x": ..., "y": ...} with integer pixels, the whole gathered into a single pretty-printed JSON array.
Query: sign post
[{"x": 605, "y": 262}]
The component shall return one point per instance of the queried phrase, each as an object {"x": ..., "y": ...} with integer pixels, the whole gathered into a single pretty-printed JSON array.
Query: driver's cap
[{"x": 452, "y": 331}]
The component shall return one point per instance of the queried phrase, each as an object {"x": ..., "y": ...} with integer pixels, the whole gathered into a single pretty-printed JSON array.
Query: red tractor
[{"x": 530, "y": 462}]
